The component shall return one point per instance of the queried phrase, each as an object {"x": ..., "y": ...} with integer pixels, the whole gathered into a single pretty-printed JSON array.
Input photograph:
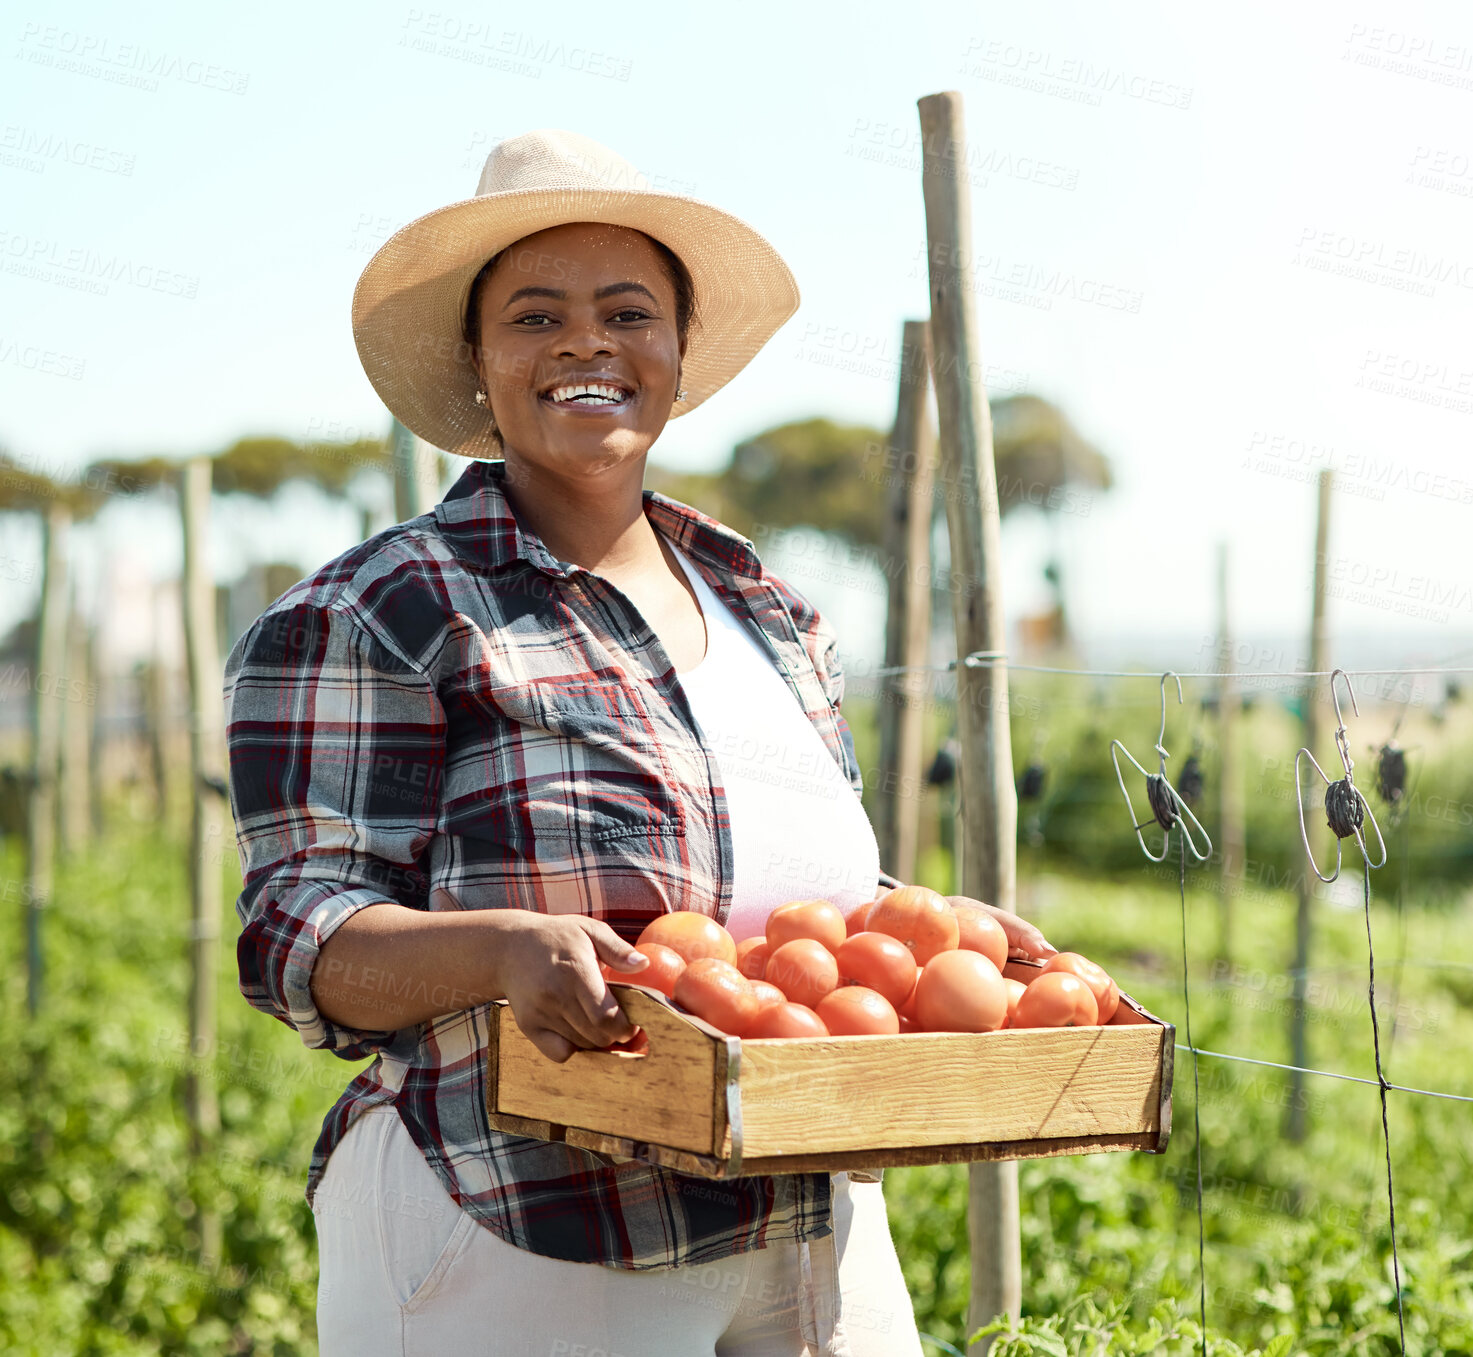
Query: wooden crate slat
[
  {"x": 853, "y": 1103},
  {"x": 933, "y": 1089},
  {"x": 664, "y": 1097}
]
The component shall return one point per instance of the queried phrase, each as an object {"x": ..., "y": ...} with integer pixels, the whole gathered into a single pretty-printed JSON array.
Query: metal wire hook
[
  {"x": 1346, "y": 808},
  {"x": 1341, "y": 742},
  {"x": 1167, "y": 806},
  {"x": 1391, "y": 773}
]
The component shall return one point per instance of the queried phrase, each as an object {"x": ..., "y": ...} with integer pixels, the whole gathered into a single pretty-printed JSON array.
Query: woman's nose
[{"x": 586, "y": 337}]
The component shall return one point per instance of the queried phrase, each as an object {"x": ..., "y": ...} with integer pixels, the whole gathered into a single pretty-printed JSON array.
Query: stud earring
[
  {"x": 480, "y": 398},
  {"x": 681, "y": 394}
]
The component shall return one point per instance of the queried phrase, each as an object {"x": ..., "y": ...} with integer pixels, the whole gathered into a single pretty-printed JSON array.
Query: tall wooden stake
[
  {"x": 154, "y": 680},
  {"x": 45, "y": 743},
  {"x": 985, "y": 771},
  {"x": 907, "y": 548},
  {"x": 97, "y": 767},
  {"x": 76, "y": 738},
  {"x": 416, "y": 473},
  {"x": 207, "y": 785},
  {"x": 1230, "y": 768},
  {"x": 1297, "y": 1124}
]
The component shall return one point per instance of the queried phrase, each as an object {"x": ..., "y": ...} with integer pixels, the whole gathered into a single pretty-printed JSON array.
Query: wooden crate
[{"x": 715, "y": 1106}]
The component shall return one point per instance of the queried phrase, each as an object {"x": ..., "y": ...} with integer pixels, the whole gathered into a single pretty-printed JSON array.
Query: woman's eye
[
  {"x": 533, "y": 316},
  {"x": 631, "y": 313}
]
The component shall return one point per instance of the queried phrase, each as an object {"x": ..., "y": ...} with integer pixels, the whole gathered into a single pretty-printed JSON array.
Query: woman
[{"x": 473, "y": 756}]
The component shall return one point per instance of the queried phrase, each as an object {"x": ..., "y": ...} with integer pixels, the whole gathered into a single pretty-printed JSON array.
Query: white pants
[{"x": 404, "y": 1271}]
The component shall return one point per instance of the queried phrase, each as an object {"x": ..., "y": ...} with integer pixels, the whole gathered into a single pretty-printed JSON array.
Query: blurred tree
[
  {"x": 258, "y": 467},
  {"x": 819, "y": 474},
  {"x": 25, "y": 491}
]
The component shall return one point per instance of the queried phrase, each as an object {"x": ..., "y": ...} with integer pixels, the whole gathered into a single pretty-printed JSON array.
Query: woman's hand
[
  {"x": 1024, "y": 940},
  {"x": 547, "y": 968}
]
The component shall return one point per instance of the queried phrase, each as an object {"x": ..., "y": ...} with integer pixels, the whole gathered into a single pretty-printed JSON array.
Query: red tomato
[
  {"x": 980, "y": 932},
  {"x": 767, "y": 994},
  {"x": 716, "y": 991},
  {"x": 1026, "y": 971},
  {"x": 1014, "y": 988},
  {"x": 805, "y": 970},
  {"x": 920, "y": 918},
  {"x": 692, "y": 935},
  {"x": 1107, "y": 996},
  {"x": 960, "y": 992},
  {"x": 907, "y": 1012},
  {"x": 879, "y": 962},
  {"x": 854, "y": 1011},
  {"x": 854, "y": 921},
  {"x": 816, "y": 919},
  {"x": 663, "y": 971},
  {"x": 751, "y": 957},
  {"x": 786, "y": 1020},
  {"x": 1057, "y": 999}
]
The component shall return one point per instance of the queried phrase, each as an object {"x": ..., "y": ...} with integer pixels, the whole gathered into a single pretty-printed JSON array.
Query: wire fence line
[
  {"x": 986, "y": 659},
  {"x": 1328, "y": 1074}
]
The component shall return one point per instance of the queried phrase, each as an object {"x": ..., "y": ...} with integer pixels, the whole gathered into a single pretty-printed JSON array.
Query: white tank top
[{"x": 798, "y": 830}]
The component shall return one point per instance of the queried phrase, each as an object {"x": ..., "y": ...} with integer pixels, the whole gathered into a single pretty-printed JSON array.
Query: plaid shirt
[{"x": 448, "y": 717}]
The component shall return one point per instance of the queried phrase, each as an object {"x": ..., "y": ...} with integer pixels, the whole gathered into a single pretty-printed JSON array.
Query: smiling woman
[
  {"x": 526, "y": 260},
  {"x": 592, "y": 363},
  {"x": 474, "y": 757}
]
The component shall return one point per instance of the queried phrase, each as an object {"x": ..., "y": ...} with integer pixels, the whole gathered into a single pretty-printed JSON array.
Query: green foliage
[
  {"x": 250, "y": 466},
  {"x": 813, "y": 473},
  {"x": 1037, "y": 450},
  {"x": 260, "y": 466},
  {"x": 1297, "y": 1235},
  {"x": 100, "y": 1201},
  {"x": 1088, "y": 1330},
  {"x": 1080, "y": 823},
  {"x": 835, "y": 478},
  {"x": 24, "y": 491}
]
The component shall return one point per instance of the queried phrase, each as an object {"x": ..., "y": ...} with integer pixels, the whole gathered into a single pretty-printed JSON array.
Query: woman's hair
[{"x": 675, "y": 269}]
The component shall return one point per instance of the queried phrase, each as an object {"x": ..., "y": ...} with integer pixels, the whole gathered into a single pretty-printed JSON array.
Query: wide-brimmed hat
[{"x": 409, "y": 305}]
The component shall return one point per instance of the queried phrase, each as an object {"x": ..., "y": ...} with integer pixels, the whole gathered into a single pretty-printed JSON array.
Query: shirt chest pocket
[{"x": 555, "y": 764}]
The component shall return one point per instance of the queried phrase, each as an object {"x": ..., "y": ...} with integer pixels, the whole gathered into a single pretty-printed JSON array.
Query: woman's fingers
[
  {"x": 560, "y": 999},
  {"x": 566, "y": 1025},
  {"x": 610, "y": 947},
  {"x": 605, "y": 1020},
  {"x": 550, "y": 1044},
  {"x": 1023, "y": 938}
]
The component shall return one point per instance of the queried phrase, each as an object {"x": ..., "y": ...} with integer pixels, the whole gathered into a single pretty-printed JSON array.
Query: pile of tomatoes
[{"x": 909, "y": 962}]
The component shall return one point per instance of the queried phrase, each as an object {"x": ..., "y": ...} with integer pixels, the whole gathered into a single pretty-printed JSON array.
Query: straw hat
[{"x": 409, "y": 305}]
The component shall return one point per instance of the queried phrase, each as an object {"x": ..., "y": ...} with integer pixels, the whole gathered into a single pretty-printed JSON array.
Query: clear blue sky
[{"x": 1239, "y": 241}]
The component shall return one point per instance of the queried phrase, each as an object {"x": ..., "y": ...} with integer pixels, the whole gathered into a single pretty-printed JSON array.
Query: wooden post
[
  {"x": 908, "y": 616},
  {"x": 76, "y": 738},
  {"x": 207, "y": 784},
  {"x": 153, "y": 679},
  {"x": 45, "y": 742},
  {"x": 97, "y": 770},
  {"x": 1230, "y": 768},
  {"x": 1297, "y": 1123},
  {"x": 416, "y": 473},
  {"x": 985, "y": 768}
]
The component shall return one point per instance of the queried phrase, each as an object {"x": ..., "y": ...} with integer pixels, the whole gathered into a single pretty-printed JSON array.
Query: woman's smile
[{"x": 589, "y": 396}]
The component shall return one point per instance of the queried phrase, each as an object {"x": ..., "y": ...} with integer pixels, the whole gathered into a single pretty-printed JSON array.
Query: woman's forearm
[{"x": 389, "y": 967}]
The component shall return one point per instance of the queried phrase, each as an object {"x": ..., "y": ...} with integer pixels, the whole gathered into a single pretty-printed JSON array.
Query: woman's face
[{"x": 579, "y": 305}]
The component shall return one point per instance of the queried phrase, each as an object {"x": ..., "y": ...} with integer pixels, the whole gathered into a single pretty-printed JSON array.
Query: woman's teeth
[{"x": 596, "y": 394}]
